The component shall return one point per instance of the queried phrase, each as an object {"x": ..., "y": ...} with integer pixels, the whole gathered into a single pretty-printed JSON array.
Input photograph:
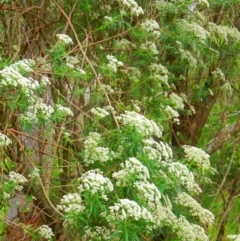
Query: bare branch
[{"x": 223, "y": 136}]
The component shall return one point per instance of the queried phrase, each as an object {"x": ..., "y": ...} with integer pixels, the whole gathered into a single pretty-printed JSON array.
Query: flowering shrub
[{"x": 100, "y": 120}]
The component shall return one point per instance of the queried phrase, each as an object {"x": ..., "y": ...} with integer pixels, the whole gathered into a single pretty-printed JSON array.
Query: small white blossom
[
  {"x": 194, "y": 29},
  {"x": 65, "y": 39},
  {"x": 4, "y": 140},
  {"x": 181, "y": 174},
  {"x": 6, "y": 196},
  {"x": 195, "y": 209},
  {"x": 151, "y": 27},
  {"x": 127, "y": 209},
  {"x": 143, "y": 125},
  {"x": 150, "y": 46},
  {"x": 94, "y": 182},
  {"x": 99, "y": 112},
  {"x": 107, "y": 88},
  {"x": 96, "y": 233},
  {"x": 131, "y": 170},
  {"x": 113, "y": 63},
  {"x": 66, "y": 111},
  {"x": 34, "y": 173},
  {"x": 94, "y": 153},
  {"x": 148, "y": 192},
  {"x": 177, "y": 101},
  {"x": 132, "y": 6},
  {"x": 17, "y": 178},
  {"x": 108, "y": 18},
  {"x": 72, "y": 60},
  {"x": 172, "y": 114},
  {"x": 45, "y": 81},
  {"x": 198, "y": 156},
  {"x": 124, "y": 44},
  {"x": 157, "y": 150},
  {"x": 71, "y": 203},
  {"x": 45, "y": 232}
]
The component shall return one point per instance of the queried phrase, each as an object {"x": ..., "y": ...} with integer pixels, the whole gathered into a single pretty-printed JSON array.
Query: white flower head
[
  {"x": 65, "y": 39},
  {"x": 132, "y": 6},
  {"x": 198, "y": 156},
  {"x": 45, "y": 232},
  {"x": 17, "y": 178},
  {"x": 95, "y": 183},
  {"x": 96, "y": 233},
  {"x": 152, "y": 27},
  {"x": 66, "y": 111},
  {"x": 113, "y": 63},
  {"x": 196, "y": 210},
  {"x": 131, "y": 170},
  {"x": 127, "y": 209},
  {"x": 71, "y": 203},
  {"x": 95, "y": 153},
  {"x": 142, "y": 124},
  {"x": 4, "y": 140}
]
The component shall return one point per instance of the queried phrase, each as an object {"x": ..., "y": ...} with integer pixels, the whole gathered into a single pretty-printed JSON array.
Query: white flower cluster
[
  {"x": 18, "y": 179},
  {"x": 38, "y": 106},
  {"x": 159, "y": 73},
  {"x": 176, "y": 101},
  {"x": 148, "y": 192},
  {"x": 45, "y": 232},
  {"x": 185, "y": 55},
  {"x": 152, "y": 27},
  {"x": 24, "y": 65},
  {"x": 194, "y": 29},
  {"x": 171, "y": 114},
  {"x": 150, "y": 46},
  {"x": 45, "y": 81},
  {"x": 65, "y": 39},
  {"x": 108, "y": 19},
  {"x": 195, "y": 209},
  {"x": 34, "y": 173},
  {"x": 132, "y": 6},
  {"x": 127, "y": 209},
  {"x": 4, "y": 140},
  {"x": 13, "y": 75},
  {"x": 71, "y": 203},
  {"x": 198, "y": 156},
  {"x": 72, "y": 60},
  {"x": 223, "y": 34},
  {"x": 107, "y": 88},
  {"x": 124, "y": 44},
  {"x": 235, "y": 237},
  {"x": 131, "y": 170},
  {"x": 132, "y": 73},
  {"x": 158, "y": 68},
  {"x": 102, "y": 112},
  {"x": 66, "y": 111},
  {"x": 143, "y": 125},
  {"x": 94, "y": 182},
  {"x": 96, "y": 233},
  {"x": 113, "y": 63},
  {"x": 157, "y": 150},
  {"x": 218, "y": 75},
  {"x": 94, "y": 153},
  {"x": 181, "y": 173},
  {"x": 187, "y": 231}
]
